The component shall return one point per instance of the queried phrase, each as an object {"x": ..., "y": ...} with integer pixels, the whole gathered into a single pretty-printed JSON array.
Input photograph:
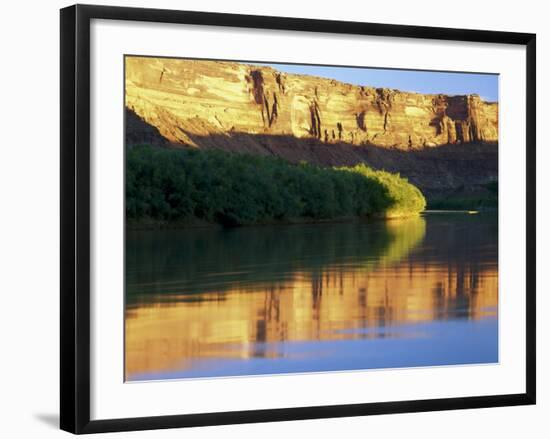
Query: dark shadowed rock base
[{"x": 445, "y": 171}]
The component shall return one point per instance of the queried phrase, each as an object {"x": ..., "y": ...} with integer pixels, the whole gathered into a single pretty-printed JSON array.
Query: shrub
[{"x": 235, "y": 189}]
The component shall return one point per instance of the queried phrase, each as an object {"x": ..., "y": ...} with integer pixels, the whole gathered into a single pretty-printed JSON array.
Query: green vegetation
[
  {"x": 483, "y": 201},
  {"x": 166, "y": 186}
]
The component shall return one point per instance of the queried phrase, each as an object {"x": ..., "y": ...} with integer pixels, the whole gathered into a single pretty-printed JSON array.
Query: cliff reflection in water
[{"x": 205, "y": 302}]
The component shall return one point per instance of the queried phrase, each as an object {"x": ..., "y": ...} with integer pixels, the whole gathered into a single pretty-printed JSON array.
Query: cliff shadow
[{"x": 445, "y": 170}]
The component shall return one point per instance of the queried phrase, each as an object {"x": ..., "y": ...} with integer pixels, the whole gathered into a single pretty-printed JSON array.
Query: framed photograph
[{"x": 268, "y": 218}]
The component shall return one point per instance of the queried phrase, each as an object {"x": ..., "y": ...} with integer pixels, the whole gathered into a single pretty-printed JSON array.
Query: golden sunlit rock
[{"x": 194, "y": 103}]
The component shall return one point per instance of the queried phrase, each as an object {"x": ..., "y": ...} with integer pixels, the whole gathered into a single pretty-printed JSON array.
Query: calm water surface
[{"x": 312, "y": 298}]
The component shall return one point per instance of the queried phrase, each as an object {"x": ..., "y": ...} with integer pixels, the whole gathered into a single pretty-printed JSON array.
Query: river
[{"x": 208, "y": 302}]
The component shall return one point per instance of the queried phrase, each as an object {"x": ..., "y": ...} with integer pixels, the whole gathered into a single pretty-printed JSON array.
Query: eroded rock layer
[{"x": 186, "y": 100}]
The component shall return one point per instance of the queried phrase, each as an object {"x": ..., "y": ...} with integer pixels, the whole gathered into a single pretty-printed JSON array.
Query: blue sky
[{"x": 485, "y": 85}]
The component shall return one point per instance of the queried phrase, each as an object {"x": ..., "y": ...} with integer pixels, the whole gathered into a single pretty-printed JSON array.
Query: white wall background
[{"x": 29, "y": 200}]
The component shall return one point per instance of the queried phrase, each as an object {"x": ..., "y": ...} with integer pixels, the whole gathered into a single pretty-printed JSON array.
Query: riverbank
[
  {"x": 485, "y": 199},
  {"x": 150, "y": 224}
]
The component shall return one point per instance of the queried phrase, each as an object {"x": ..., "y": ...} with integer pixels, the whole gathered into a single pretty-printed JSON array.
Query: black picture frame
[{"x": 75, "y": 217}]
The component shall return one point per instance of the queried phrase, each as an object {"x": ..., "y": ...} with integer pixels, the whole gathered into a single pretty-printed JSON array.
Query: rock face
[
  {"x": 188, "y": 99},
  {"x": 446, "y": 145}
]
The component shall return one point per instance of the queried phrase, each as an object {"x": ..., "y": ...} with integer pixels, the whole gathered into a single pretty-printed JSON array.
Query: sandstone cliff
[
  {"x": 257, "y": 109},
  {"x": 186, "y": 98}
]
